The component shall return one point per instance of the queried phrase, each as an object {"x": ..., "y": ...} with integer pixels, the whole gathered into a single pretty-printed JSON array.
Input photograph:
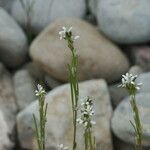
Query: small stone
[
  {"x": 141, "y": 56},
  {"x": 144, "y": 78},
  {"x": 7, "y": 101},
  {"x": 5, "y": 143},
  {"x": 117, "y": 94},
  {"x": 51, "y": 82},
  {"x": 50, "y": 10},
  {"x": 13, "y": 42},
  {"x": 24, "y": 86},
  {"x": 136, "y": 70},
  {"x": 124, "y": 21},
  {"x": 59, "y": 118}
]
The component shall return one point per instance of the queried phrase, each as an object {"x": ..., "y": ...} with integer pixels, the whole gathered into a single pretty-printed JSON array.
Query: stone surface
[
  {"x": 117, "y": 94},
  {"x": 135, "y": 70},
  {"x": 24, "y": 86},
  {"x": 141, "y": 56},
  {"x": 125, "y": 21},
  {"x": 59, "y": 118},
  {"x": 93, "y": 6},
  {"x": 120, "y": 145},
  {"x": 5, "y": 143},
  {"x": 98, "y": 57},
  {"x": 51, "y": 82},
  {"x": 120, "y": 121},
  {"x": 35, "y": 71},
  {"x": 6, "y": 4},
  {"x": 49, "y": 10},
  {"x": 7, "y": 100},
  {"x": 145, "y": 80},
  {"x": 13, "y": 43}
]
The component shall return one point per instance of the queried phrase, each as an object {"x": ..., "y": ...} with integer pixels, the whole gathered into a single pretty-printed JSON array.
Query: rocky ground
[{"x": 114, "y": 39}]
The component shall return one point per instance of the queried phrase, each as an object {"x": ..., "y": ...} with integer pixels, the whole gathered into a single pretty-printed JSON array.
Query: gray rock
[
  {"x": 13, "y": 43},
  {"x": 136, "y": 70},
  {"x": 6, "y": 4},
  {"x": 51, "y": 82},
  {"x": 125, "y": 21},
  {"x": 35, "y": 71},
  {"x": 120, "y": 121},
  {"x": 49, "y": 10},
  {"x": 145, "y": 80},
  {"x": 7, "y": 99},
  {"x": 93, "y": 6},
  {"x": 120, "y": 145},
  {"x": 117, "y": 94},
  {"x": 5, "y": 143},
  {"x": 59, "y": 118},
  {"x": 141, "y": 56},
  {"x": 98, "y": 57},
  {"x": 24, "y": 86}
]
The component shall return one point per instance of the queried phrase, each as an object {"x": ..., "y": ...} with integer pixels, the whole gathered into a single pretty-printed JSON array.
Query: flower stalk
[
  {"x": 67, "y": 35},
  {"x": 85, "y": 119},
  {"x": 128, "y": 82},
  {"x": 40, "y": 129}
]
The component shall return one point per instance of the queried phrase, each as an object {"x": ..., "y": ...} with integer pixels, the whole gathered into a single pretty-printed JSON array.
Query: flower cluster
[
  {"x": 62, "y": 147},
  {"x": 40, "y": 91},
  {"x": 128, "y": 82},
  {"x": 65, "y": 33},
  {"x": 86, "y": 113}
]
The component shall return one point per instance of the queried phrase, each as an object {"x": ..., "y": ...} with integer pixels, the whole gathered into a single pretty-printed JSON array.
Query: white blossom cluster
[
  {"x": 63, "y": 33},
  {"x": 40, "y": 90},
  {"x": 128, "y": 81},
  {"x": 62, "y": 147},
  {"x": 87, "y": 113}
]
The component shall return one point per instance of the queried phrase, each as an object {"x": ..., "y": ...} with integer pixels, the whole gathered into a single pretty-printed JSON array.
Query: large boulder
[
  {"x": 59, "y": 118},
  {"x": 121, "y": 125},
  {"x": 42, "y": 13},
  {"x": 13, "y": 42},
  {"x": 125, "y": 21},
  {"x": 98, "y": 57}
]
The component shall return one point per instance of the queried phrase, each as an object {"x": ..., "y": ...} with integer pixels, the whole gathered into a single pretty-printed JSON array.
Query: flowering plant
[{"x": 128, "y": 82}]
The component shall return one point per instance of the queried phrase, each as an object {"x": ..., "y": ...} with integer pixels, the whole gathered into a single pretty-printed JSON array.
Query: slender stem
[{"x": 137, "y": 123}]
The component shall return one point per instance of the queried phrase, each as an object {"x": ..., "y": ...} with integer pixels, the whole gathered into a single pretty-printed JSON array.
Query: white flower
[
  {"x": 40, "y": 90},
  {"x": 62, "y": 147},
  {"x": 128, "y": 81},
  {"x": 65, "y": 30},
  {"x": 87, "y": 113}
]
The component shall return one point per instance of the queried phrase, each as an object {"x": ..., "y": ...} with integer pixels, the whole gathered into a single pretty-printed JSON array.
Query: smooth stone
[
  {"x": 144, "y": 78},
  {"x": 117, "y": 94},
  {"x": 6, "y": 4},
  {"x": 51, "y": 82},
  {"x": 124, "y": 21},
  {"x": 141, "y": 56},
  {"x": 93, "y": 6},
  {"x": 13, "y": 42},
  {"x": 121, "y": 125},
  {"x": 5, "y": 143},
  {"x": 24, "y": 86},
  {"x": 59, "y": 117},
  {"x": 136, "y": 70},
  {"x": 7, "y": 100},
  {"x": 49, "y": 10},
  {"x": 35, "y": 71},
  {"x": 98, "y": 57}
]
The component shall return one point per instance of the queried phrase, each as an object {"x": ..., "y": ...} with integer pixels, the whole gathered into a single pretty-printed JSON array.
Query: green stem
[{"x": 137, "y": 123}]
